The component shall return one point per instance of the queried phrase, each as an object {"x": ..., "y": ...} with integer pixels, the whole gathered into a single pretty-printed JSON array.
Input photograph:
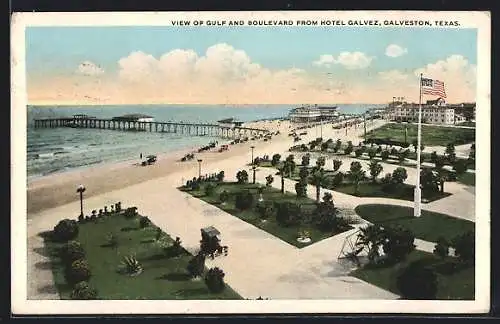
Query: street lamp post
[
  {"x": 252, "y": 147},
  {"x": 199, "y": 167},
  {"x": 254, "y": 169},
  {"x": 80, "y": 190}
]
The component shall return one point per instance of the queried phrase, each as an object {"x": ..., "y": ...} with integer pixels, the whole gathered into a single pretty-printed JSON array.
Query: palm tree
[
  {"x": 356, "y": 174},
  {"x": 318, "y": 180},
  {"x": 282, "y": 171},
  {"x": 371, "y": 237}
]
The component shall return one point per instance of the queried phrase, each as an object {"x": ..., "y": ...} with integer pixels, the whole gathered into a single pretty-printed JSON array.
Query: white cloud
[
  {"x": 89, "y": 68},
  {"x": 394, "y": 50},
  {"x": 350, "y": 60},
  {"x": 458, "y": 75},
  {"x": 325, "y": 60}
]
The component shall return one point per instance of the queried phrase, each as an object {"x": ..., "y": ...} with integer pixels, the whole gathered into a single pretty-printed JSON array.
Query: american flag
[{"x": 433, "y": 87}]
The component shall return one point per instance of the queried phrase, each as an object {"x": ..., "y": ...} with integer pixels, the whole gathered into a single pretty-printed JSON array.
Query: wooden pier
[{"x": 191, "y": 129}]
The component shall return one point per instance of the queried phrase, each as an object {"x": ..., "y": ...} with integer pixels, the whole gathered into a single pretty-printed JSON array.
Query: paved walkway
[{"x": 258, "y": 263}]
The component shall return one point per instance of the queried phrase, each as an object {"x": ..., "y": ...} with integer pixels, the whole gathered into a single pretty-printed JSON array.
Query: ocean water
[{"x": 51, "y": 150}]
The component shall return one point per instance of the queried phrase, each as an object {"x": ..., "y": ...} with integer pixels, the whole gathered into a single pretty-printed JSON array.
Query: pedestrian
[{"x": 141, "y": 156}]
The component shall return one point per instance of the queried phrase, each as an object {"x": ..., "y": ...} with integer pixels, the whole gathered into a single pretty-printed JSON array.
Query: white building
[
  {"x": 230, "y": 122},
  {"x": 135, "y": 118},
  {"x": 433, "y": 112},
  {"x": 314, "y": 113}
]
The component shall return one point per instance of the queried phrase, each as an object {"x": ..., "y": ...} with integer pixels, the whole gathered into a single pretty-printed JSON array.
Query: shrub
[
  {"x": 242, "y": 176},
  {"x": 303, "y": 173},
  {"x": 429, "y": 180},
  {"x": 460, "y": 166},
  {"x": 325, "y": 215},
  {"x": 349, "y": 148},
  {"x": 71, "y": 252},
  {"x": 130, "y": 265},
  {"x": 244, "y": 200},
  {"x": 130, "y": 212},
  {"x": 465, "y": 246},
  {"x": 82, "y": 291},
  {"x": 215, "y": 280},
  {"x": 81, "y": 218},
  {"x": 79, "y": 270},
  {"x": 65, "y": 230},
  {"x": 372, "y": 153},
  {"x": 301, "y": 188},
  {"x": 394, "y": 152},
  {"x": 399, "y": 175},
  {"x": 275, "y": 159},
  {"x": 384, "y": 155},
  {"x": 196, "y": 265},
  {"x": 144, "y": 222},
  {"x": 433, "y": 157},
  {"x": 224, "y": 196},
  {"x": 209, "y": 189},
  {"x": 375, "y": 169},
  {"x": 176, "y": 248},
  {"x": 336, "y": 165},
  {"x": 269, "y": 180},
  {"x": 320, "y": 162},
  {"x": 288, "y": 213},
  {"x": 265, "y": 209},
  {"x": 337, "y": 179},
  {"x": 441, "y": 249},
  {"x": 417, "y": 282},
  {"x": 358, "y": 152},
  {"x": 305, "y": 160},
  {"x": 399, "y": 243},
  {"x": 220, "y": 176}
]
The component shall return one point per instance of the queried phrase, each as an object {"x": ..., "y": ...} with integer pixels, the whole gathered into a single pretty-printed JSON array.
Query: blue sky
[
  {"x": 61, "y": 48},
  {"x": 353, "y": 67}
]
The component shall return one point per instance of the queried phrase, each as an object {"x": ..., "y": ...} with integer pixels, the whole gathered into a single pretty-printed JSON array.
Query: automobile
[{"x": 150, "y": 159}]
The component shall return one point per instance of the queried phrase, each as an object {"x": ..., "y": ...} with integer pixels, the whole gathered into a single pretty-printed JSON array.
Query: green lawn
[
  {"x": 370, "y": 189},
  {"x": 288, "y": 234},
  {"x": 431, "y": 135},
  {"x": 468, "y": 124},
  {"x": 457, "y": 284},
  {"x": 163, "y": 277},
  {"x": 429, "y": 227},
  {"x": 467, "y": 179}
]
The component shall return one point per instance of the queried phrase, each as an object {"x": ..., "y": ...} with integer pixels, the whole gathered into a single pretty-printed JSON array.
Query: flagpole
[{"x": 417, "y": 210}]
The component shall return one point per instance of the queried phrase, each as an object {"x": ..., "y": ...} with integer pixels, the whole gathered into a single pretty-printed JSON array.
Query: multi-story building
[
  {"x": 433, "y": 112},
  {"x": 313, "y": 113}
]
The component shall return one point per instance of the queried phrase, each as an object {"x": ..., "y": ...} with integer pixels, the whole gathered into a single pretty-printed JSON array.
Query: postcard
[{"x": 250, "y": 162}]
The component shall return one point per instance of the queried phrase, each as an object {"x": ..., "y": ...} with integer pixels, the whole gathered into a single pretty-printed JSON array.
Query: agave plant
[{"x": 131, "y": 266}]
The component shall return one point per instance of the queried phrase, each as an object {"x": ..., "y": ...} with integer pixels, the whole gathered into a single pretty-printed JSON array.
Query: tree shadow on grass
[
  {"x": 47, "y": 289},
  {"x": 175, "y": 276},
  {"x": 44, "y": 252},
  {"x": 44, "y": 265},
  {"x": 154, "y": 257},
  {"x": 194, "y": 293},
  {"x": 447, "y": 268},
  {"x": 129, "y": 229},
  {"x": 46, "y": 235}
]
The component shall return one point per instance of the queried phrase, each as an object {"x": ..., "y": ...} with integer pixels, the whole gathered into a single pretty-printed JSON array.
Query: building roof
[
  {"x": 229, "y": 121},
  {"x": 132, "y": 116},
  {"x": 433, "y": 102}
]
